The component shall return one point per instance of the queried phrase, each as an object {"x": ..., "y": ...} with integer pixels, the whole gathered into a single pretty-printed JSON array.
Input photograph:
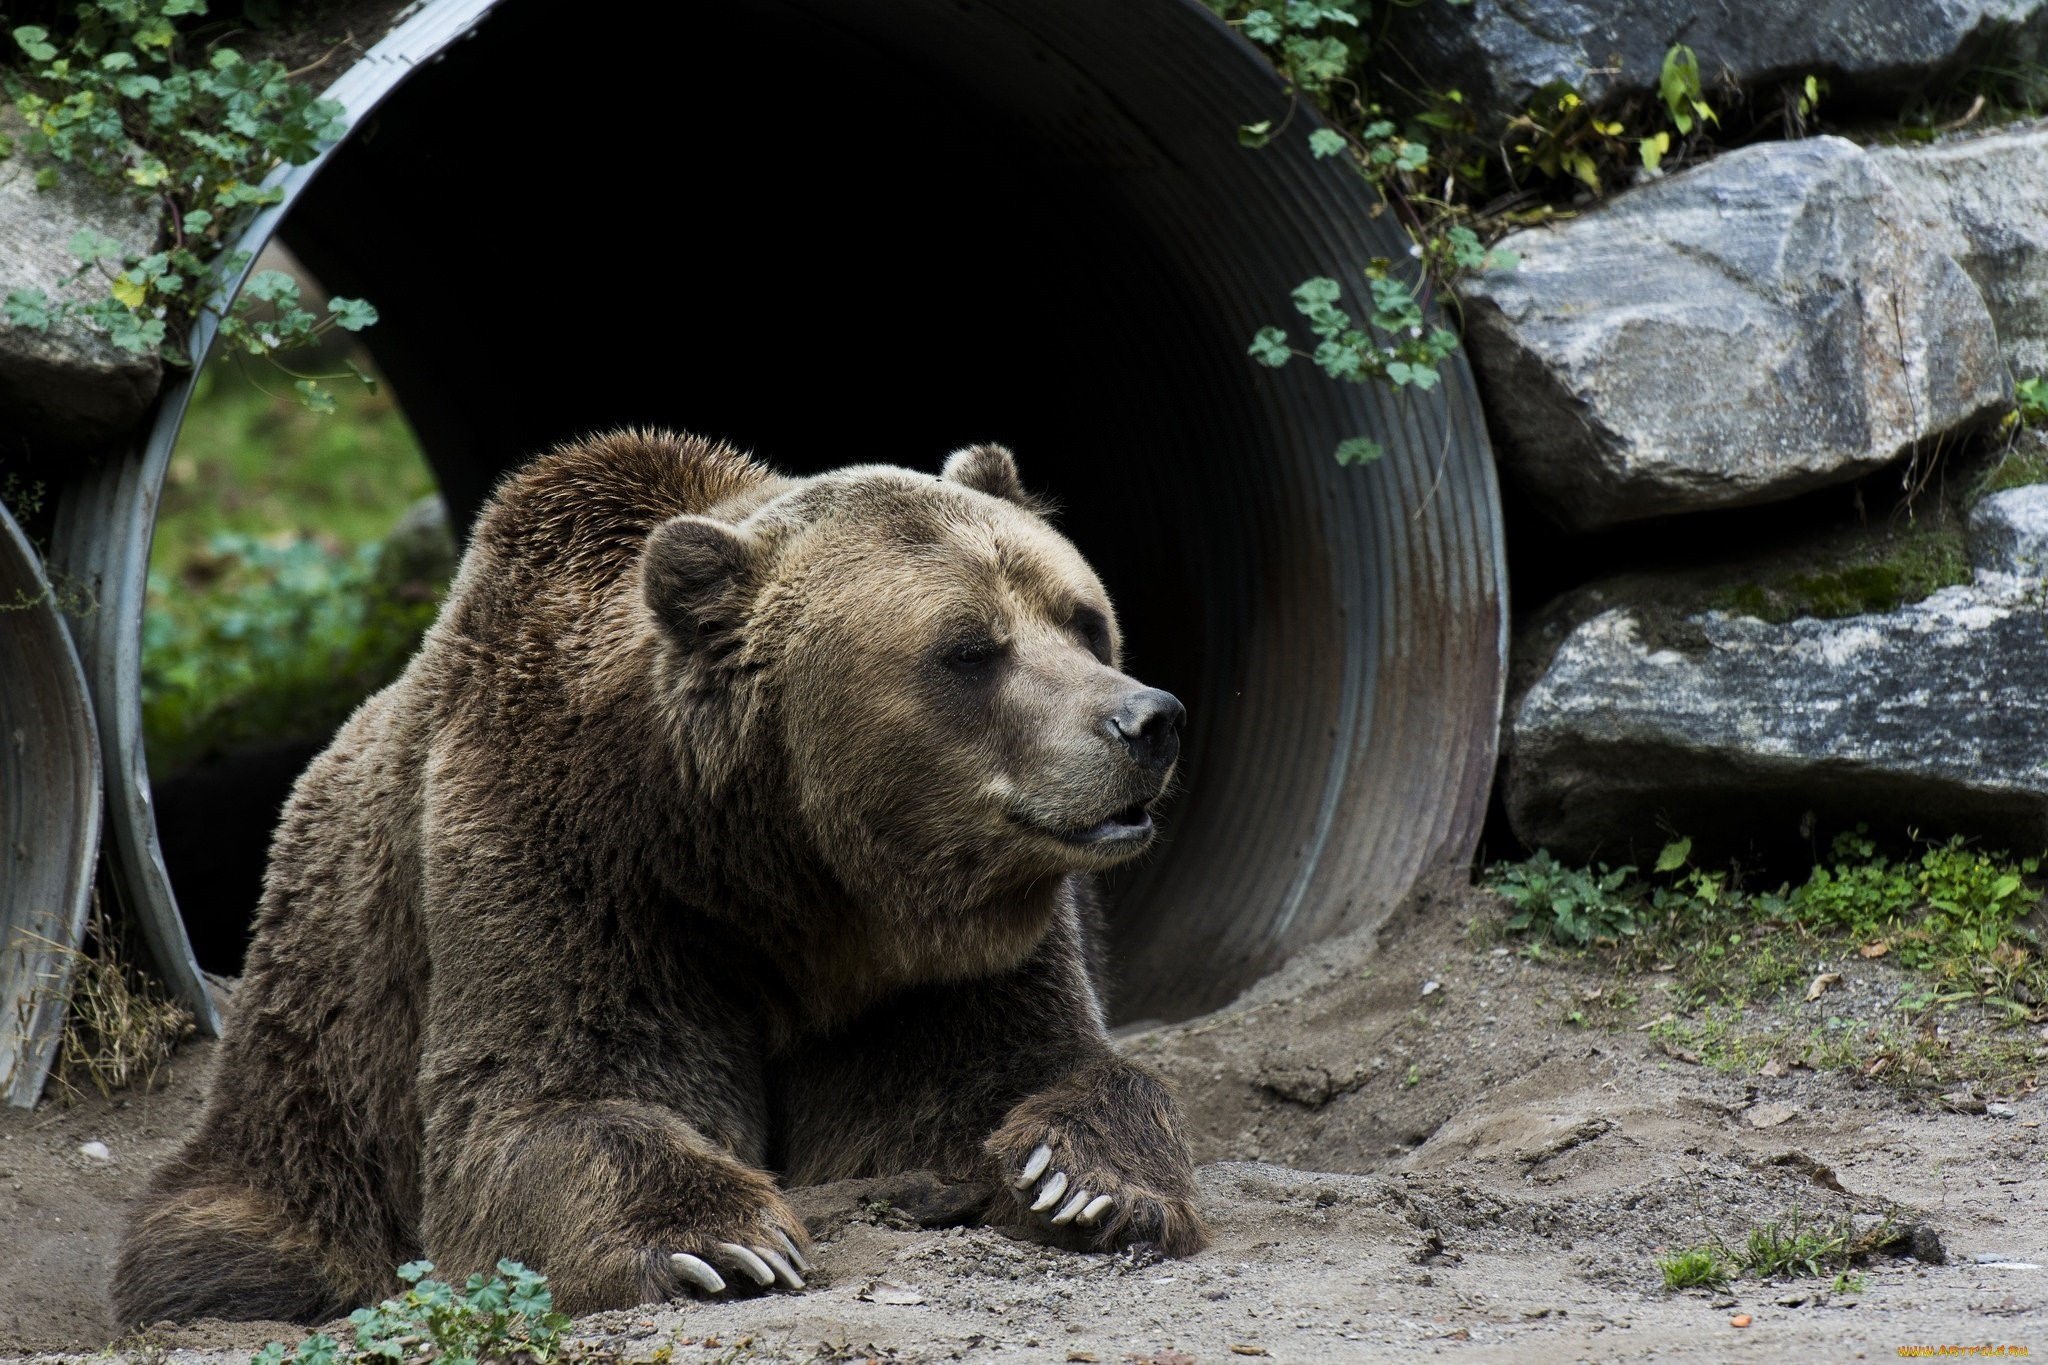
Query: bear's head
[{"x": 925, "y": 675}]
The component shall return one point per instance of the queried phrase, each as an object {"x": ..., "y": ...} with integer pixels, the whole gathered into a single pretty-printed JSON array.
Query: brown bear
[{"x": 726, "y": 823}]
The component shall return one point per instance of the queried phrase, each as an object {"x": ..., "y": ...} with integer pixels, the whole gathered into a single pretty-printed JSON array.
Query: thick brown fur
[{"x": 693, "y": 845}]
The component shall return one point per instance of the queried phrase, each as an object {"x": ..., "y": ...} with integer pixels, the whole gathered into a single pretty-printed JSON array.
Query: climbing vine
[
  {"x": 128, "y": 98},
  {"x": 1450, "y": 189}
]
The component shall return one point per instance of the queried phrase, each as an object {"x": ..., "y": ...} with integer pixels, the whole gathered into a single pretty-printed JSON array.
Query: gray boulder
[
  {"x": 1984, "y": 201},
  {"x": 1930, "y": 716},
  {"x": 1767, "y": 323},
  {"x": 1501, "y": 53},
  {"x": 65, "y": 384},
  {"x": 2009, "y": 533}
]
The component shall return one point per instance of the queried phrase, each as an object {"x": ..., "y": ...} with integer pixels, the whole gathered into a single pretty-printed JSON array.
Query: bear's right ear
[
  {"x": 988, "y": 469},
  {"x": 697, "y": 574}
]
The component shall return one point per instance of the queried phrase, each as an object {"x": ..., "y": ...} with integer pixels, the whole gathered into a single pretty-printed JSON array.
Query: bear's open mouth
[{"x": 1132, "y": 824}]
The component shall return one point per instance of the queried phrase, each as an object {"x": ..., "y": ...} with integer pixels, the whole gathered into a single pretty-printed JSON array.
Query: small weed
[
  {"x": 2030, "y": 401},
  {"x": 1701, "y": 1267},
  {"x": 1716, "y": 1041},
  {"x": 507, "y": 1315},
  {"x": 1413, "y": 1076},
  {"x": 1572, "y": 905},
  {"x": 1793, "y": 1247}
]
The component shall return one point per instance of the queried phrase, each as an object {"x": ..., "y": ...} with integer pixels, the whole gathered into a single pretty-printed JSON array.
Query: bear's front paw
[
  {"x": 763, "y": 1254},
  {"x": 1097, "y": 1161}
]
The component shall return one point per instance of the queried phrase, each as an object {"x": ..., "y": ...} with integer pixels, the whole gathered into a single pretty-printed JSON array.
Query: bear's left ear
[
  {"x": 697, "y": 575},
  {"x": 987, "y": 469}
]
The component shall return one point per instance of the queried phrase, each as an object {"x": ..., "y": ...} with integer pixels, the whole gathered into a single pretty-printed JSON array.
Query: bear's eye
[
  {"x": 1094, "y": 629},
  {"x": 972, "y": 656}
]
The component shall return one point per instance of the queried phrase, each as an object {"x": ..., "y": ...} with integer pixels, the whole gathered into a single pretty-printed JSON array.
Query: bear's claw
[
  {"x": 698, "y": 1273},
  {"x": 1082, "y": 1209},
  {"x": 780, "y": 1265}
]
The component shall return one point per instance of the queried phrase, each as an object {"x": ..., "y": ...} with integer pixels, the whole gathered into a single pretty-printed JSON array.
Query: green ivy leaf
[
  {"x": 1325, "y": 142},
  {"x": 314, "y": 397},
  {"x": 1269, "y": 347},
  {"x": 272, "y": 286},
  {"x": 34, "y": 40},
  {"x": 1255, "y": 134},
  {"x": 30, "y": 308},
  {"x": 352, "y": 315},
  {"x": 1263, "y": 26},
  {"x": 1360, "y": 450},
  {"x": 318, "y": 1349},
  {"x": 91, "y": 247}
]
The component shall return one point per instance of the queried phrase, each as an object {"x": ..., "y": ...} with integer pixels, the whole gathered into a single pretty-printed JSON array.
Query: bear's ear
[
  {"x": 988, "y": 469},
  {"x": 697, "y": 574}
]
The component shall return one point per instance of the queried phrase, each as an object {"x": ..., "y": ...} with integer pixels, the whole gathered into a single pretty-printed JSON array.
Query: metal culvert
[
  {"x": 49, "y": 816},
  {"x": 833, "y": 231}
]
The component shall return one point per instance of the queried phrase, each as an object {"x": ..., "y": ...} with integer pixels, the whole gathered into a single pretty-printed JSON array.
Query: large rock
[
  {"x": 1767, "y": 323},
  {"x": 1984, "y": 200},
  {"x": 1501, "y": 53},
  {"x": 65, "y": 384},
  {"x": 1930, "y": 716}
]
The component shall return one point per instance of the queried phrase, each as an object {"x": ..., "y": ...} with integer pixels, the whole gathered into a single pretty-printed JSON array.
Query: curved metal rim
[
  {"x": 105, "y": 523},
  {"x": 50, "y": 815}
]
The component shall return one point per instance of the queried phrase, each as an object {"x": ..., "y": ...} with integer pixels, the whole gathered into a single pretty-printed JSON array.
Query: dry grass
[{"x": 119, "y": 1029}]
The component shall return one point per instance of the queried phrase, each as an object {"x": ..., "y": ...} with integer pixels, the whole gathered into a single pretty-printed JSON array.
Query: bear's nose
[{"x": 1148, "y": 723}]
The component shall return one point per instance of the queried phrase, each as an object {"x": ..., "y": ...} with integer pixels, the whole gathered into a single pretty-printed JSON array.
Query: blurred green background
[{"x": 298, "y": 558}]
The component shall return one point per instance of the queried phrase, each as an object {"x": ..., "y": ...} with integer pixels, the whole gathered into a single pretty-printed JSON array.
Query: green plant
[
  {"x": 286, "y": 638},
  {"x": 1701, "y": 1267},
  {"x": 1575, "y": 905},
  {"x": 503, "y": 1316},
  {"x": 2030, "y": 400},
  {"x": 129, "y": 99},
  {"x": 1954, "y": 913},
  {"x": 1321, "y": 50},
  {"x": 1795, "y": 1248}
]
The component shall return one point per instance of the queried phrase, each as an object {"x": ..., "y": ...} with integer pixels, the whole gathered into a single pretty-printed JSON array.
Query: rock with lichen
[{"x": 1642, "y": 713}]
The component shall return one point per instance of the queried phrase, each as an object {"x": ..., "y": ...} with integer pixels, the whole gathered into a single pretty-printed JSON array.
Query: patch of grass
[
  {"x": 1958, "y": 919},
  {"x": 272, "y": 608},
  {"x": 1702, "y": 1267},
  {"x": 251, "y": 460},
  {"x": 1715, "y": 1040},
  {"x": 1789, "y": 1248},
  {"x": 509, "y": 1315},
  {"x": 1796, "y": 1249}
]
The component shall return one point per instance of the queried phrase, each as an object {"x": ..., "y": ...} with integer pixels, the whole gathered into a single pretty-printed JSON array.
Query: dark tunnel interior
[{"x": 831, "y": 233}]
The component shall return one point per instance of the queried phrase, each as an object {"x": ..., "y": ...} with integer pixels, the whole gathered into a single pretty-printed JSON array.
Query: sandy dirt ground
[{"x": 1392, "y": 1167}]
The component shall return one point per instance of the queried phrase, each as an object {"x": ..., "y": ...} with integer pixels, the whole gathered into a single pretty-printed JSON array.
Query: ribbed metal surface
[
  {"x": 49, "y": 817},
  {"x": 1354, "y": 620},
  {"x": 101, "y": 540},
  {"x": 1023, "y": 219}
]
